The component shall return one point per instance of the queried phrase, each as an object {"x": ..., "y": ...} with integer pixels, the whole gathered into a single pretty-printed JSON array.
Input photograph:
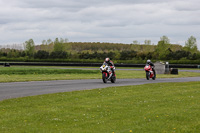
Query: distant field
[
  {"x": 150, "y": 108},
  {"x": 25, "y": 73}
]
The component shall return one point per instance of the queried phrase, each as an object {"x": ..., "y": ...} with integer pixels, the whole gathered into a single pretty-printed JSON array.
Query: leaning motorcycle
[
  {"x": 107, "y": 74},
  {"x": 149, "y": 72}
]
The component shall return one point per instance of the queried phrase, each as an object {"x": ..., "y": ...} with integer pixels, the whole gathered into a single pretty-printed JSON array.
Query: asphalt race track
[{"x": 22, "y": 89}]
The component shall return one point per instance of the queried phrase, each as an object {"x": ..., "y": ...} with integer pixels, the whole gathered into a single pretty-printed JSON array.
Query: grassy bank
[{"x": 147, "y": 108}]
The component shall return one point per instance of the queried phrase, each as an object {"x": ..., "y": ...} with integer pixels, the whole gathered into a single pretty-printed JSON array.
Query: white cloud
[{"x": 105, "y": 21}]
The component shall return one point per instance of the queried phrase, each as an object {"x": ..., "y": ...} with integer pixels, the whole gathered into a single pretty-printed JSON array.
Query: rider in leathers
[
  {"x": 152, "y": 65},
  {"x": 110, "y": 63}
]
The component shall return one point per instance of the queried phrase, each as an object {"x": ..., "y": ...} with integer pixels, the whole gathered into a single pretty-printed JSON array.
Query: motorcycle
[
  {"x": 149, "y": 72},
  {"x": 107, "y": 74}
]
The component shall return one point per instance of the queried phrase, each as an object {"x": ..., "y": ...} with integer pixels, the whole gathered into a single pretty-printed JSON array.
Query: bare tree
[
  {"x": 135, "y": 42},
  {"x": 147, "y": 42}
]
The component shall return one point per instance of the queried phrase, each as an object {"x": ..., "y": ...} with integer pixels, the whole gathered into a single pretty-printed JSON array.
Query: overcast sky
[{"x": 117, "y": 21}]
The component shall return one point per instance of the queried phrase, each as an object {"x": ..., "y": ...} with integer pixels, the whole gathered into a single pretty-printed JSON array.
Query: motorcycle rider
[
  {"x": 110, "y": 63},
  {"x": 151, "y": 64}
]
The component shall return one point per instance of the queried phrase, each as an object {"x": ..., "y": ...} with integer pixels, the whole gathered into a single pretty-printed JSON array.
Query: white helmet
[
  {"x": 148, "y": 61},
  {"x": 107, "y": 60}
]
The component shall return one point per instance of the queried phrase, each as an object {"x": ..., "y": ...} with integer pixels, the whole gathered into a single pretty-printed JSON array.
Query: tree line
[{"x": 62, "y": 49}]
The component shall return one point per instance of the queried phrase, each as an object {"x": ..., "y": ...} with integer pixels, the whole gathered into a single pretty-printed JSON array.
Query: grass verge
[
  {"x": 42, "y": 70},
  {"x": 20, "y": 74},
  {"x": 146, "y": 108}
]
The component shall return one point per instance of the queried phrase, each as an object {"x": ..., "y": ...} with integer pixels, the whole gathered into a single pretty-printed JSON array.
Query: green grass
[
  {"x": 150, "y": 108},
  {"x": 24, "y": 73},
  {"x": 42, "y": 70}
]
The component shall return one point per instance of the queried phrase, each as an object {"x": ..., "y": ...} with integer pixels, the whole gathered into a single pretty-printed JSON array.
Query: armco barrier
[
  {"x": 92, "y": 64},
  {"x": 69, "y": 64},
  {"x": 182, "y": 66}
]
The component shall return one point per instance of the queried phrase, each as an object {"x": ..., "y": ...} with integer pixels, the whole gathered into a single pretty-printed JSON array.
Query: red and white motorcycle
[
  {"x": 149, "y": 72},
  {"x": 107, "y": 74}
]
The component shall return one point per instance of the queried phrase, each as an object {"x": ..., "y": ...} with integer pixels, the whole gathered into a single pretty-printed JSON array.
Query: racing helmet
[
  {"x": 148, "y": 61},
  {"x": 107, "y": 60}
]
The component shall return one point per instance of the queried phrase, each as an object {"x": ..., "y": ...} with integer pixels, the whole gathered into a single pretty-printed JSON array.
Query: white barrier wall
[{"x": 159, "y": 68}]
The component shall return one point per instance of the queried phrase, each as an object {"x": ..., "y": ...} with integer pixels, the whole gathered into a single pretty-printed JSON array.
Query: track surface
[{"x": 22, "y": 89}]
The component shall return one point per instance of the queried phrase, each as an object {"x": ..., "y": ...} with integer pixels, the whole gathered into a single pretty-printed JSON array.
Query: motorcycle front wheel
[
  {"x": 104, "y": 78},
  {"x": 154, "y": 77},
  {"x": 147, "y": 75},
  {"x": 113, "y": 79}
]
